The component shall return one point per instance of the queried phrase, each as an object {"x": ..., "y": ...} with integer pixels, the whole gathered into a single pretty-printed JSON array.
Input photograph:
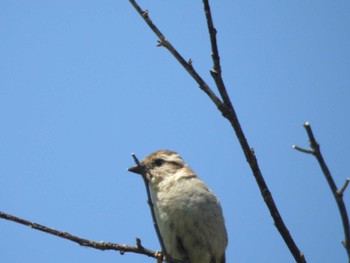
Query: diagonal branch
[
  {"x": 338, "y": 194},
  {"x": 149, "y": 201},
  {"x": 229, "y": 113},
  {"x": 186, "y": 64},
  {"x": 101, "y": 245}
]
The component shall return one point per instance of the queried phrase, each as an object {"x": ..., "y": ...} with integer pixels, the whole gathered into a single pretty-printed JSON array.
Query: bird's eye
[{"x": 158, "y": 162}]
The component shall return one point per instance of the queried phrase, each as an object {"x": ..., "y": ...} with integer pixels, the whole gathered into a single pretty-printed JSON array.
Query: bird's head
[{"x": 162, "y": 165}]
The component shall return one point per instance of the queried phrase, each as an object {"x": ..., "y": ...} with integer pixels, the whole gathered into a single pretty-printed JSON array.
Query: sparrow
[{"x": 187, "y": 212}]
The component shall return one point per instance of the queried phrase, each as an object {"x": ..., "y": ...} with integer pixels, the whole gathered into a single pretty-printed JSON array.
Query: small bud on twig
[{"x": 145, "y": 13}]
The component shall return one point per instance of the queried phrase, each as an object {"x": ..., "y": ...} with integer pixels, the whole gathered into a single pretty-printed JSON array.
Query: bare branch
[
  {"x": 149, "y": 201},
  {"x": 231, "y": 115},
  {"x": 216, "y": 70},
  {"x": 188, "y": 66},
  {"x": 338, "y": 194},
  {"x": 101, "y": 245},
  {"x": 228, "y": 111}
]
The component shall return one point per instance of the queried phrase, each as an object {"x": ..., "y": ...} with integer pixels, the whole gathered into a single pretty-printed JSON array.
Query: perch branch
[
  {"x": 338, "y": 194},
  {"x": 101, "y": 245},
  {"x": 229, "y": 113}
]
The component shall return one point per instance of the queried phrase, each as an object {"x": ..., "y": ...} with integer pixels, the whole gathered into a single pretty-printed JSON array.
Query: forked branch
[
  {"x": 227, "y": 110},
  {"x": 337, "y": 193}
]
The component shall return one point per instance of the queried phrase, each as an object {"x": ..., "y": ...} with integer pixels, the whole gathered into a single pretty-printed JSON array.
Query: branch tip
[
  {"x": 214, "y": 72},
  {"x": 135, "y": 159},
  {"x": 138, "y": 243},
  {"x": 161, "y": 42},
  {"x": 343, "y": 187},
  {"x": 300, "y": 149}
]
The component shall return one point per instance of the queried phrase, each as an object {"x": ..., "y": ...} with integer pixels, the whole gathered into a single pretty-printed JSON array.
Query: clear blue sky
[{"x": 82, "y": 85}]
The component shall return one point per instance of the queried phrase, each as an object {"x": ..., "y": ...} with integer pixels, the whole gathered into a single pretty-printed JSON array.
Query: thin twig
[
  {"x": 227, "y": 110},
  {"x": 101, "y": 245},
  {"x": 150, "y": 203},
  {"x": 338, "y": 194},
  {"x": 216, "y": 70},
  {"x": 300, "y": 149},
  {"x": 151, "y": 206},
  {"x": 343, "y": 188}
]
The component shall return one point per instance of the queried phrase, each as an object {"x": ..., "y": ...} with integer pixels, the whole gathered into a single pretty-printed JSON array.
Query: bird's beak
[{"x": 137, "y": 169}]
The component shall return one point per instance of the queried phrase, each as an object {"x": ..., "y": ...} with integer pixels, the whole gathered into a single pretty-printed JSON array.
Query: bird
[{"x": 188, "y": 214}]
